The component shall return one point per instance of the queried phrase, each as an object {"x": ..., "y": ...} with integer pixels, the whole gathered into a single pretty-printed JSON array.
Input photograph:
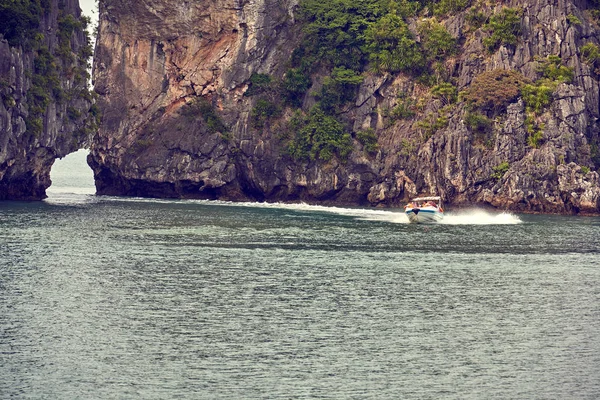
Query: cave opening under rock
[{"x": 72, "y": 174}]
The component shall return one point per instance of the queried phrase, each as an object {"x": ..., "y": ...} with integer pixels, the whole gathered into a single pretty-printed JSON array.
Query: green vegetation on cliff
[
  {"x": 318, "y": 136},
  {"x": 391, "y": 47},
  {"x": 338, "y": 89},
  {"x": 590, "y": 53},
  {"x": 504, "y": 28},
  {"x": 500, "y": 170},
  {"x": 343, "y": 41},
  {"x": 45, "y": 85},
  {"x": 335, "y": 32},
  {"x": 356, "y": 34},
  {"x": 20, "y": 20},
  {"x": 537, "y": 96},
  {"x": 494, "y": 90},
  {"x": 346, "y": 41},
  {"x": 207, "y": 113},
  {"x": 21, "y": 25}
]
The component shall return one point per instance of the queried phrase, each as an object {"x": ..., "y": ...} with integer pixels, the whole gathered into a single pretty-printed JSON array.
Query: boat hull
[{"x": 424, "y": 215}]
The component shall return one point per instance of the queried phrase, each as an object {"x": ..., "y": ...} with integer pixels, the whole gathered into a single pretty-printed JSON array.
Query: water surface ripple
[{"x": 116, "y": 298}]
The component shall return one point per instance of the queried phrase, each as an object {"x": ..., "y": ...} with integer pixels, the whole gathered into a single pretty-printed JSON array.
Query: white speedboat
[{"x": 424, "y": 210}]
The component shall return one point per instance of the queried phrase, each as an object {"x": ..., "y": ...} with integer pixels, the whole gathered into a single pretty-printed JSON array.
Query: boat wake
[
  {"x": 471, "y": 217},
  {"x": 360, "y": 213},
  {"x": 397, "y": 216},
  {"x": 466, "y": 217},
  {"x": 480, "y": 217}
]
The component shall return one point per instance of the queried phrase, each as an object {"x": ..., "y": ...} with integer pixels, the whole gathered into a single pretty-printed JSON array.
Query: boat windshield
[{"x": 420, "y": 202}]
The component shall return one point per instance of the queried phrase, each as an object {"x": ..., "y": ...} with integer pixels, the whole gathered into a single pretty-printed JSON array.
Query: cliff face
[
  {"x": 175, "y": 81},
  {"x": 45, "y": 101},
  {"x": 154, "y": 57}
]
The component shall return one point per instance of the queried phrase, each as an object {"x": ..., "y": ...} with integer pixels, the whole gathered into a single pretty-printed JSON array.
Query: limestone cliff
[
  {"x": 45, "y": 101},
  {"x": 176, "y": 83}
]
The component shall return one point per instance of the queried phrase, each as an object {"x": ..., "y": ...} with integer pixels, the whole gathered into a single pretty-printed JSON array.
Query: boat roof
[{"x": 430, "y": 198}]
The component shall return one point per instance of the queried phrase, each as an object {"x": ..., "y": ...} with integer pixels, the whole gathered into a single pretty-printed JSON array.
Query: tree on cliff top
[{"x": 335, "y": 30}]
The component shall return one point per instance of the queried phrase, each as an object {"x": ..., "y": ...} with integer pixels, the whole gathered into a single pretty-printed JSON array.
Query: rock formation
[
  {"x": 175, "y": 81},
  {"x": 44, "y": 95}
]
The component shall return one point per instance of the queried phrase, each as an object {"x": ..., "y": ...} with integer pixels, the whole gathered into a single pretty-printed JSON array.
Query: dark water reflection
[{"x": 105, "y": 298}]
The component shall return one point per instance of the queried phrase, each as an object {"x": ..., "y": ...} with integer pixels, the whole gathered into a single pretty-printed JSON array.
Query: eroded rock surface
[
  {"x": 44, "y": 100},
  {"x": 155, "y": 58}
]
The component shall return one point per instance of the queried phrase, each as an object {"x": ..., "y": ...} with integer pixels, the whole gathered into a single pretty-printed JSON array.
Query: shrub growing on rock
[
  {"x": 446, "y": 92},
  {"x": 338, "y": 88},
  {"x": 482, "y": 128},
  {"x": 494, "y": 90},
  {"x": 404, "y": 109},
  {"x": 500, "y": 170},
  {"x": 294, "y": 86},
  {"x": 368, "y": 138},
  {"x": 475, "y": 18},
  {"x": 436, "y": 40},
  {"x": 262, "y": 112},
  {"x": 504, "y": 28},
  {"x": 444, "y": 7},
  {"x": 391, "y": 46},
  {"x": 430, "y": 124},
  {"x": 259, "y": 83},
  {"x": 19, "y": 20},
  {"x": 537, "y": 96},
  {"x": 67, "y": 24},
  {"x": 335, "y": 30},
  {"x": 573, "y": 20},
  {"x": 206, "y": 111},
  {"x": 552, "y": 69},
  {"x": 590, "y": 52},
  {"x": 318, "y": 136}
]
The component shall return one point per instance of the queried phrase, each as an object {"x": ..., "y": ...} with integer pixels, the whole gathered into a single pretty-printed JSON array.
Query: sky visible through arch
[{"x": 90, "y": 9}]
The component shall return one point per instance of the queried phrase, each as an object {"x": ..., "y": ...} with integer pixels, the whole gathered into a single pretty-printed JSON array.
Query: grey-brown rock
[
  {"x": 44, "y": 101},
  {"x": 159, "y": 62}
]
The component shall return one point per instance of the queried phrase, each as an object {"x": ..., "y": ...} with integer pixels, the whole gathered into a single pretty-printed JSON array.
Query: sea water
[{"x": 105, "y": 297}]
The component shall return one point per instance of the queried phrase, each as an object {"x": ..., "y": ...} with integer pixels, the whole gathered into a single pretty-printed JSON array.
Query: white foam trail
[
  {"x": 480, "y": 217},
  {"x": 363, "y": 213},
  {"x": 370, "y": 214},
  {"x": 466, "y": 217}
]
